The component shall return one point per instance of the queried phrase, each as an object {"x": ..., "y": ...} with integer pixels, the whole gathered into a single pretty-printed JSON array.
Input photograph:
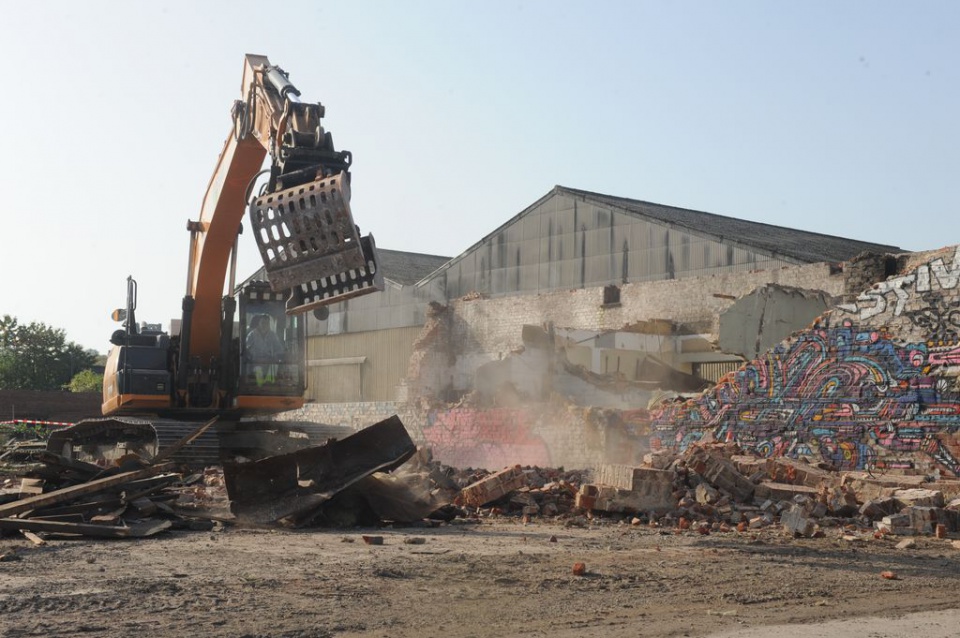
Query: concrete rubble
[
  {"x": 714, "y": 488},
  {"x": 56, "y": 496},
  {"x": 378, "y": 477}
]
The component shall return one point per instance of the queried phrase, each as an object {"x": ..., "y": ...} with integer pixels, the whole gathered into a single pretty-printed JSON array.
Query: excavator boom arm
[{"x": 302, "y": 222}]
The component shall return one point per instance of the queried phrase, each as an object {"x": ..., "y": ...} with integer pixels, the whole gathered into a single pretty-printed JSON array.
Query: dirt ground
[{"x": 499, "y": 578}]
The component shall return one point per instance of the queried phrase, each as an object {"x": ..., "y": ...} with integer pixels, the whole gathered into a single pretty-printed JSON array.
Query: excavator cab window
[{"x": 271, "y": 344}]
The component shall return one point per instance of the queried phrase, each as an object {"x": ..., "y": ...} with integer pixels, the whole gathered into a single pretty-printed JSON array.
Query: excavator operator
[{"x": 263, "y": 350}]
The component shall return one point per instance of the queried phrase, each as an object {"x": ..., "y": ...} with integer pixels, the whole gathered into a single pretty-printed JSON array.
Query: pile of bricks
[
  {"x": 529, "y": 492},
  {"x": 715, "y": 488}
]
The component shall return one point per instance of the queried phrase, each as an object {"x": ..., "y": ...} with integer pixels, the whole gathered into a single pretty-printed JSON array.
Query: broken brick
[{"x": 493, "y": 487}]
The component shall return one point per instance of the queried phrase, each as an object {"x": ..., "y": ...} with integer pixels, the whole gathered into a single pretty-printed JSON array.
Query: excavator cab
[{"x": 271, "y": 346}]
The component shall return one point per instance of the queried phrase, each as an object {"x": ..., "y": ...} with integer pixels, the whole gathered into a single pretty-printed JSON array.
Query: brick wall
[
  {"x": 872, "y": 381},
  {"x": 67, "y": 407}
]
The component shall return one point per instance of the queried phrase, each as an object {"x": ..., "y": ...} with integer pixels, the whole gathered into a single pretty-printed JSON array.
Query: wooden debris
[
  {"x": 136, "y": 530},
  {"x": 127, "y": 500},
  {"x": 84, "y": 489},
  {"x": 33, "y": 538}
]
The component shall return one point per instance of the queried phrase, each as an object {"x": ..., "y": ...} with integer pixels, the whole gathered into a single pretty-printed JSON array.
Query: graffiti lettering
[
  {"x": 876, "y": 301},
  {"x": 947, "y": 279}
]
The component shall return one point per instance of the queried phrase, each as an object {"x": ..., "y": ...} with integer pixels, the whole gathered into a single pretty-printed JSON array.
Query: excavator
[{"x": 239, "y": 354}]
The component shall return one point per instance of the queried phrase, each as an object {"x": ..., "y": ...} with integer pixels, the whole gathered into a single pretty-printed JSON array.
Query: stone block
[
  {"x": 654, "y": 497},
  {"x": 842, "y": 501},
  {"x": 895, "y": 524},
  {"x": 879, "y": 507},
  {"x": 749, "y": 465},
  {"x": 706, "y": 495},
  {"x": 796, "y": 522},
  {"x": 919, "y": 497},
  {"x": 721, "y": 474},
  {"x": 493, "y": 487},
  {"x": 925, "y": 519},
  {"x": 794, "y": 472},
  {"x": 770, "y": 490},
  {"x": 871, "y": 488},
  {"x": 659, "y": 460},
  {"x": 626, "y": 477}
]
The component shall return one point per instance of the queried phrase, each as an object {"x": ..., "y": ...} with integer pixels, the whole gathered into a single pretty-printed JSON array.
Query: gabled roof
[
  {"x": 408, "y": 268},
  {"x": 778, "y": 241}
]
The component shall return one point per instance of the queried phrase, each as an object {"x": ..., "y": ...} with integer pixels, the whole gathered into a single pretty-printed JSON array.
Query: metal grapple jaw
[{"x": 310, "y": 245}]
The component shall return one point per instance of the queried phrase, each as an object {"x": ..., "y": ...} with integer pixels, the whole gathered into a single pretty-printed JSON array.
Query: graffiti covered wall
[{"x": 870, "y": 384}]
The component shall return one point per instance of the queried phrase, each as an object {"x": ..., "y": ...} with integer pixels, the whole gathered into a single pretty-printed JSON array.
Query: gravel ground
[{"x": 495, "y": 578}]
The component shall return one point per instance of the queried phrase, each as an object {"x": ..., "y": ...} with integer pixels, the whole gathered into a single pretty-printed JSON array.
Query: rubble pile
[
  {"x": 526, "y": 491},
  {"x": 714, "y": 488},
  {"x": 67, "y": 498}
]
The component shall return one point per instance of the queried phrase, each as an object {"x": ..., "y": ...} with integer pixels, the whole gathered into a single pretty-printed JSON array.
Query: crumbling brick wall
[
  {"x": 493, "y": 326},
  {"x": 459, "y": 338},
  {"x": 871, "y": 381}
]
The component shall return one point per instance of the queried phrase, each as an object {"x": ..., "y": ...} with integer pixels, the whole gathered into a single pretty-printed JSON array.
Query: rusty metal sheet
[{"x": 296, "y": 483}]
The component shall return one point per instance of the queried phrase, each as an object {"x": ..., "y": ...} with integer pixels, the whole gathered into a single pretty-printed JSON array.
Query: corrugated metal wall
[
  {"x": 334, "y": 375},
  {"x": 567, "y": 243}
]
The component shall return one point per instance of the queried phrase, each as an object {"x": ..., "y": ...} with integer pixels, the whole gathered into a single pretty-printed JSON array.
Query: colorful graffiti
[{"x": 846, "y": 395}]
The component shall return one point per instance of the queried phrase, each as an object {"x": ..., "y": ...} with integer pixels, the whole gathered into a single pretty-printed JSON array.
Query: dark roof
[
  {"x": 800, "y": 245},
  {"x": 408, "y": 268}
]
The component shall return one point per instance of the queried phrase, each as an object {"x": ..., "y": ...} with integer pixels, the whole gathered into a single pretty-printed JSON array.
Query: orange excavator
[{"x": 224, "y": 363}]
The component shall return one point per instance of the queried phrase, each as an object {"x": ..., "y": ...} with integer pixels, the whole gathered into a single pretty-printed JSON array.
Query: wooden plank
[
  {"x": 33, "y": 538},
  {"x": 66, "y": 518},
  {"x": 138, "y": 530},
  {"x": 107, "y": 501},
  {"x": 84, "y": 489},
  {"x": 139, "y": 489}
]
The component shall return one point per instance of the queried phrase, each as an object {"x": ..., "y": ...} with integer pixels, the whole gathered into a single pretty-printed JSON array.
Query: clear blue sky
[{"x": 834, "y": 117}]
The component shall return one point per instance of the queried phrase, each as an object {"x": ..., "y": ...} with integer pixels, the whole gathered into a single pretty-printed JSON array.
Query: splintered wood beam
[
  {"x": 137, "y": 530},
  {"x": 74, "y": 491}
]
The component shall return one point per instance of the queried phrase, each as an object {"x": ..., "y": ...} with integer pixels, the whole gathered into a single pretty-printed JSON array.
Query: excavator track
[{"x": 104, "y": 440}]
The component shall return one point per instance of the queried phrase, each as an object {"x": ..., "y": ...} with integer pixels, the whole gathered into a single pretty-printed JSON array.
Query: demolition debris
[{"x": 378, "y": 476}]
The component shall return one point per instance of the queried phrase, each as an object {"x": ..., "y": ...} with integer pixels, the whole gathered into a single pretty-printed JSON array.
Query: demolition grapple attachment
[{"x": 310, "y": 245}]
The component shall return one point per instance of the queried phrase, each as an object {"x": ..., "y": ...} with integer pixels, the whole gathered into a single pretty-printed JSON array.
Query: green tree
[
  {"x": 86, "y": 381},
  {"x": 38, "y": 357}
]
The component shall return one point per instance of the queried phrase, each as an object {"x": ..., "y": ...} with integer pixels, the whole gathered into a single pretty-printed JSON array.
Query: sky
[{"x": 833, "y": 117}]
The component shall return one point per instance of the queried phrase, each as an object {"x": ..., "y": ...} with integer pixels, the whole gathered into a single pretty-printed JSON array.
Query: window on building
[{"x": 611, "y": 295}]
